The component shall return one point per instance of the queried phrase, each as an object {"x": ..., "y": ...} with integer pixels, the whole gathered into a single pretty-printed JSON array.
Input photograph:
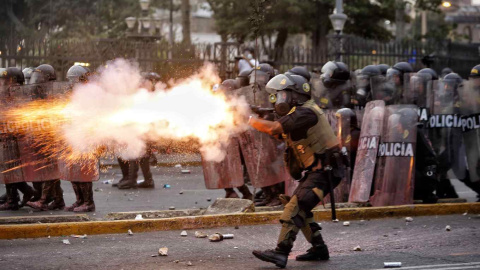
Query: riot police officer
[
  {"x": 363, "y": 93},
  {"x": 312, "y": 148},
  {"x": 335, "y": 79},
  {"x": 383, "y": 68},
  {"x": 27, "y": 74},
  {"x": 395, "y": 75},
  {"x": 13, "y": 76},
  {"x": 50, "y": 189}
]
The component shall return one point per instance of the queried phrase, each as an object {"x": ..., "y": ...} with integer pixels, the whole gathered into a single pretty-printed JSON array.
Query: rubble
[
  {"x": 178, "y": 166},
  {"x": 171, "y": 208},
  {"x": 166, "y": 186},
  {"x": 200, "y": 235},
  {"x": 466, "y": 213},
  {"x": 130, "y": 232},
  {"x": 189, "y": 264},
  {"x": 106, "y": 182},
  {"x": 139, "y": 217},
  {"x": 448, "y": 228},
  {"x": 66, "y": 242},
  {"x": 217, "y": 237},
  {"x": 163, "y": 251},
  {"x": 186, "y": 172},
  {"x": 357, "y": 248},
  {"x": 392, "y": 264},
  {"x": 176, "y": 261},
  {"x": 408, "y": 219},
  {"x": 79, "y": 236},
  {"x": 184, "y": 233},
  {"x": 346, "y": 223}
]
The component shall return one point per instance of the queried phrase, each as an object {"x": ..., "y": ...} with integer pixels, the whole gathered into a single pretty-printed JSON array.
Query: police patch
[
  {"x": 474, "y": 71},
  {"x": 272, "y": 98},
  {"x": 405, "y": 134},
  {"x": 292, "y": 110},
  {"x": 306, "y": 87},
  {"x": 283, "y": 82},
  {"x": 324, "y": 100}
]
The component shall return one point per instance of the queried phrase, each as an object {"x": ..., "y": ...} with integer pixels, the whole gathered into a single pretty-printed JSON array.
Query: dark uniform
[{"x": 312, "y": 156}]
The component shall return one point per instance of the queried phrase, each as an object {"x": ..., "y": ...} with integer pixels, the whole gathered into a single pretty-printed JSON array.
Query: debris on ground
[
  {"x": 106, "y": 182},
  {"x": 139, "y": 217},
  {"x": 163, "y": 251},
  {"x": 181, "y": 192},
  {"x": 357, "y": 248},
  {"x": 79, "y": 236},
  {"x": 66, "y": 242},
  {"x": 186, "y": 171},
  {"x": 235, "y": 247},
  {"x": 48, "y": 237},
  {"x": 408, "y": 219},
  {"x": 448, "y": 228},
  {"x": 466, "y": 213},
  {"x": 176, "y": 261},
  {"x": 236, "y": 227},
  {"x": 189, "y": 264},
  {"x": 200, "y": 235},
  {"x": 178, "y": 166},
  {"x": 209, "y": 199},
  {"x": 171, "y": 208},
  {"x": 217, "y": 237},
  {"x": 98, "y": 190},
  {"x": 130, "y": 232},
  {"x": 154, "y": 255},
  {"x": 166, "y": 186},
  {"x": 184, "y": 233},
  {"x": 392, "y": 264},
  {"x": 346, "y": 223}
]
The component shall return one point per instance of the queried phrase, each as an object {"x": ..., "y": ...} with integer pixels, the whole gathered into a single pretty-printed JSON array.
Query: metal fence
[{"x": 180, "y": 60}]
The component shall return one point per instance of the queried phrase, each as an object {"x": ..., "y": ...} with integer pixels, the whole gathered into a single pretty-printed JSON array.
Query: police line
[{"x": 467, "y": 123}]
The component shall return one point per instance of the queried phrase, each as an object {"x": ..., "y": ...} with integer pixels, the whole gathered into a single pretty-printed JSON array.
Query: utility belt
[{"x": 331, "y": 159}]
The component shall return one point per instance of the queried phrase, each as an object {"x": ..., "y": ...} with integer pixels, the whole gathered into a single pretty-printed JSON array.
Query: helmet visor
[
  {"x": 259, "y": 77},
  {"x": 328, "y": 69},
  {"x": 278, "y": 83},
  {"x": 38, "y": 77}
]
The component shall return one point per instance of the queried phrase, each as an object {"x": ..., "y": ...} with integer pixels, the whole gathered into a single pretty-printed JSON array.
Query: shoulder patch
[
  {"x": 283, "y": 82},
  {"x": 306, "y": 87},
  {"x": 324, "y": 100},
  {"x": 474, "y": 71},
  {"x": 405, "y": 133}
]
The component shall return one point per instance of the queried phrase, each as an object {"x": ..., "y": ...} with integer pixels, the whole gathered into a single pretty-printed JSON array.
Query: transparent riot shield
[
  {"x": 227, "y": 173},
  {"x": 365, "y": 162},
  {"x": 263, "y": 156},
  {"x": 255, "y": 95},
  {"x": 445, "y": 130},
  {"x": 470, "y": 109},
  {"x": 35, "y": 146},
  {"x": 394, "y": 173},
  {"x": 382, "y": 89},
  {"x": 10, "y": 163},
  {"x": 418, "y": 91}
]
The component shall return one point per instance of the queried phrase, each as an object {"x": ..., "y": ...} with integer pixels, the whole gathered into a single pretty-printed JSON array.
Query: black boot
[
  {"x": 131, "y": 181},
  {"x": 78, "y": 196},
  {"x": 47, "y": 195},
  {"x": 58, "y": 202},
  {"x": 246, "y": 194},
  {"x": 278, "y": 257},
  {"x": 230, "y": 193},
  {"x": 12, "y": 200},
  {"x": 318, "y": 251},
  {"x": 37, "y": 186},
  {"x": 147, "y": 174},
  {"x": 88, "y": 203},
  {"x": 124, "y": 168},
  {"x": 28, "y": 192},
  {"x": 3, "y": 198}
]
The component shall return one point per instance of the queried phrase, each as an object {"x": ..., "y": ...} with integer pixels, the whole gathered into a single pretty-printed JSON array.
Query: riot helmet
[
  {"x": 334, "y": 73},
  {"x": 299, "y": 70},
  {"x": 446, "y": 71},
  {"x": 267, "y": 68},
  {"x": 383, "y": 68},
  {"x": 395, "y": 73},
  {"x": 27, "y": 74},
  {"x": 261, "y": 75},
  {"x": 287, "y": 91},
  {"x": 451, "y": 83},
  {"x": 363, "y": 80},
  {"x": 77, "y": 74},
  {"x": 242, "y": 78},
  {"x": 348, "y": 113},
  {"x": 475, "y": 72},
  {"x": 42, "y": 74},
  {"x": 429, "y": 71},
  {"x": 12, "y": 76}
]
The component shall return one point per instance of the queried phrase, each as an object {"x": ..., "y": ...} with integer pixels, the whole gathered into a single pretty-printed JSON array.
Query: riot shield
[
  {"x": 318, "y": 91},
  {"x": 470, "y": 109},
  {"x": 80, "y": 171},
  {"x": 255, "y": 95},
  {"x": 418, "y": 91},
  {"x": 383, "y": 90},
  {"x": 10, "y": 163},
  {"x": 38, "y": 162},
  {"x": 263, "y": 157},
  {"x": 445, "y": 130},
  {"x": 366, "y": 159},
  {"x": 227, "y": 173},
  {"x": 394, "y": 173}
]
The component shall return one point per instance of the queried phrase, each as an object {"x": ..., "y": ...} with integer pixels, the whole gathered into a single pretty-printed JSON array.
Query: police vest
[{"x": 319, "y": 138}]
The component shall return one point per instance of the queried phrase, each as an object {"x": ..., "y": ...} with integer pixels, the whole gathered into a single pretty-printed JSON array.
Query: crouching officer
[{"x": 312, "y": 156}]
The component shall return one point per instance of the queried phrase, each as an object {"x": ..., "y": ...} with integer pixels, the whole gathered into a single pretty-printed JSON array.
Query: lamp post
[
  {"x": 146, "y": 24},
  {"x": 338, "y": 19}
]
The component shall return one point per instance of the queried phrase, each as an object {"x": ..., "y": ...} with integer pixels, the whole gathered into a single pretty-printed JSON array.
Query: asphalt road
[
  {"x": 110, "y": 199},
  {"x": 421, "y": 244}
]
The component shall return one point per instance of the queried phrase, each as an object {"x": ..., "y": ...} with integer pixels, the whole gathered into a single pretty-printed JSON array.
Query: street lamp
[
  {"x": 338, "y": 20},
  {"x": 446, "y": 4},
  {"x": 131, "y": 22}
]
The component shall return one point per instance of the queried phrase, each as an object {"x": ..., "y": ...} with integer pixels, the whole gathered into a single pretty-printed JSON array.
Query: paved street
[
  {"x": 421, "y": 243},
  {"x": 110, "y": 199}
]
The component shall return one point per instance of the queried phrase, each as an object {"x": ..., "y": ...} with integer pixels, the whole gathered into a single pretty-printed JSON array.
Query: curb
[{"x": 226, "y": 220}]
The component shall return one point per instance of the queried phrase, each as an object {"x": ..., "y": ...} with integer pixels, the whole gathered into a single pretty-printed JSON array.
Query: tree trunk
[
  {"x": 186, "y": 21},
  {"x": 280, "y": 43}
]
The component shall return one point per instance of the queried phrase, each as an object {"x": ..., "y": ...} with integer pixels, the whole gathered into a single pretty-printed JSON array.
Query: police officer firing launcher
[{"x": 313, "y": 157}]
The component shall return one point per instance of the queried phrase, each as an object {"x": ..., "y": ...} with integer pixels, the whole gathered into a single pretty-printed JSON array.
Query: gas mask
[{"x": 282, "y": 101}]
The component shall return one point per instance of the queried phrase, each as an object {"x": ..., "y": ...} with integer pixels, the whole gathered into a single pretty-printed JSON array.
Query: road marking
[{"x": 453, "y": 266}]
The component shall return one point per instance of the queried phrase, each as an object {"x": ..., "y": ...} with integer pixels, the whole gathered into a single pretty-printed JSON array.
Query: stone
[
  {"x": 200, "y": 235},
  {"x": 130, "y": 232},
  {"x": 357, "y": 248},
  {"x": 346, "y": 223},
  {"x": 66, "y": 242},
  {"x": 230, "y": 206},
  {"x": 184, "y": 233},
  {"x": 408, "y": 219},
  {"x": 448, "y": 228},
  {"x": 171, "y": 208},
  {"x": 139, "y": 217},
  {"x": 163, "y": 251},
  {"x": 189, "y": 264}
]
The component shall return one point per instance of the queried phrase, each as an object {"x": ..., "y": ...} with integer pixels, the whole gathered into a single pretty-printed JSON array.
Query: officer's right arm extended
[{"x": 269, "y": 127}]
